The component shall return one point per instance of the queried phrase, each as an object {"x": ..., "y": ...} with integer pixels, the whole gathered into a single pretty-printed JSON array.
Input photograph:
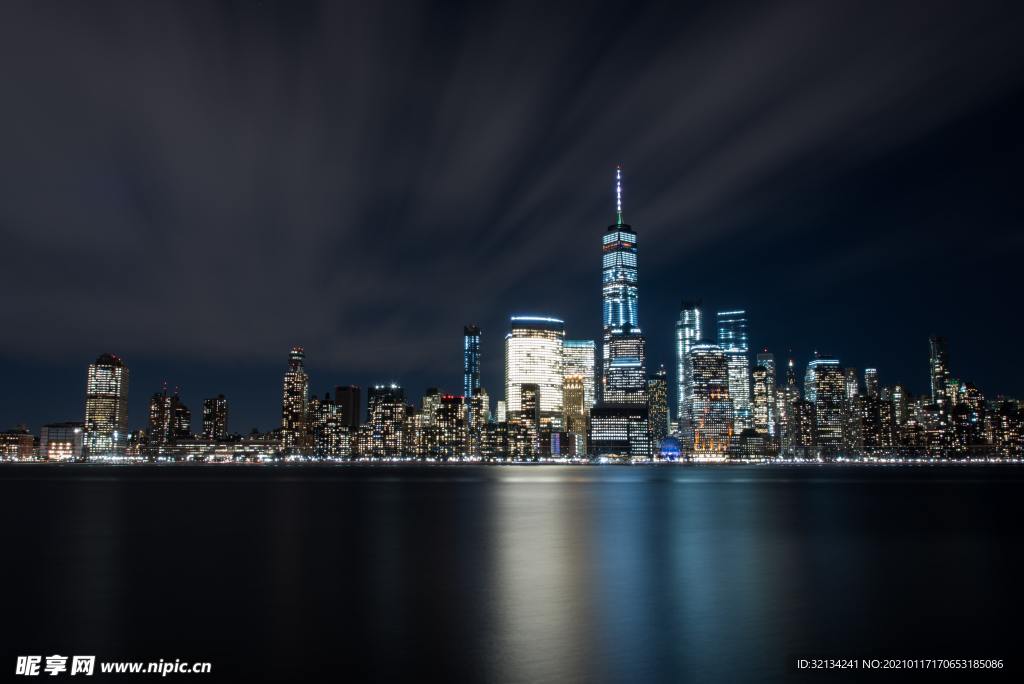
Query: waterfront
[{"x": 470, "y": 573}]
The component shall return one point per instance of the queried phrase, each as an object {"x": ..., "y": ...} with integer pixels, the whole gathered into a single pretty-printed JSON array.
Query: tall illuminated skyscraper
[
  {"x": 470, "y": 361},
  {"x": 295, "y": 434},
  {"x": 623, "y": 375},
  {"x": 732, "y": 338},
  {"x": 106, "y": 407},
  {"x": 871, "y": 386},
  {"x": 657, "y": 406},
  {"x": 689, "y": 331},
  {"x": 939, "y": 362},
  {"x": 534, "y": 355},
  {"x": 825, "y": 387},
  {"x": 386, "y": 414},
  {"x": 580, "y": 359},
  {"x": 710, "y": 417},
  {"x": 625, "y": 381},
  {"x": 766, "y": 360}
]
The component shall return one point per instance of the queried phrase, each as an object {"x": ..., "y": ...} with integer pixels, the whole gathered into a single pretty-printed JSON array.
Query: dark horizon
[{"x": 198, "y": 188}]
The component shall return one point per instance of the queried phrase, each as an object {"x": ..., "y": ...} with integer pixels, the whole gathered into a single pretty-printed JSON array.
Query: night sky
[{"x": 199, "y": 186}]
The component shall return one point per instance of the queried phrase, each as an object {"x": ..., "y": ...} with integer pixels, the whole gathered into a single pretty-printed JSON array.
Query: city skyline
[
  {"x": 728, "y": 333},
  {"x": 560, "y": 402},
  {"x": 198, "y": 232}
]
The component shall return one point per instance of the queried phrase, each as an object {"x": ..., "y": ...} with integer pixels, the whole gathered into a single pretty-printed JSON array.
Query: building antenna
[{"x": 618, "y": 195}]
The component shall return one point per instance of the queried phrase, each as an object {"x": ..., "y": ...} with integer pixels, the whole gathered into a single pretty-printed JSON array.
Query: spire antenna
[{"x": 618, "y": 195}]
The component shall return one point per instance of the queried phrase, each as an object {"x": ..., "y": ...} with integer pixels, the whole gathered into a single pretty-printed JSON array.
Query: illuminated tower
[
  {"x": 710, "y": 417},
  {"x": 579, "y": 360},
  {"x": 106, "y": 407},
  {"x": 764, "y": 401},
  {"x": 623, "y": 359},
  {"x": 939, "y": 363},
  {"x": 688, "y": 333},
  {"x": 470, "y": 361},
  {"x": 534, "y": 355},
  {"x": 657, "y": 409},
  {"x": 732, "y": 338},
  {"x": 294, "y": 425}
]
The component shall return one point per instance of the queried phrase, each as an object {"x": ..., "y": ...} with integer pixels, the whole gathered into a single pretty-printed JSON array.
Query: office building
[
  {"x": 347, "y": 397},
  {"x": 623, "y": 373},
  {"x": 689, "y": 331},
  {"x": 580, "y": 359},
  {"x": 939, "y": 367},
  {"x": 657, "y": 407},
  {"x": 61, "y": 441},
  {"x": 215, "y": 418},
  {"x": 619, "y": 431},
  {"x": 533, "y": 355},
  {"x": 385, "y": 420},
  {"x": 470, "y": 360},
  {"x": 295, "y": 435},
  {"x": 710, "y": 416},
  {"x": 733, "y": 341},
  {"x": 106, "y": 407},
  {"x": 871, "y": 387}
]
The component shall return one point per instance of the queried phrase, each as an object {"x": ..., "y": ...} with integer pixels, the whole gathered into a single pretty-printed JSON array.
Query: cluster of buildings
[{"x": 568, "y": 399}]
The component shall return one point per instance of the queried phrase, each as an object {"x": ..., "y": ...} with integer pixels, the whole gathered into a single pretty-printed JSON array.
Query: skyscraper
[
  {"x": 106, "y": 407},
  {"x": 215, "y": 418},
  {"x": 732, "y": 338},
  {"x": 347, "y": 397},
  {"x": 625, "y": 379},
  {"x": 689, "y": 331},
  {"x": 766, "y": 360},
  {"x": 851, "y": 385},
  {"x": 871, "y": 387},
  {"x": 387, "y": 413},
  {"x": 170, "y": 420},
  {"x": 450, "y": 421},
  {"x": 657, "y": 406},
  {"x": 534, "y": 355},
  {"x": 294, "y": 421},
  {"x": 710, "y": 417},
  {"x": 623, "y": 339},
  {"x": 830, "y": 405},
  {"x": 577, "y": 413},
  {"x": 939, "y": 363},
  {"x": 580, "y": 359},
  {"x": 470, "y": 361},
  {"x": 812, "y": 373}
]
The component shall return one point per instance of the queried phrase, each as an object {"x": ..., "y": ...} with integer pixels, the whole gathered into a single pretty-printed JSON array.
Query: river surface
[{"x": 512, "y": 573}]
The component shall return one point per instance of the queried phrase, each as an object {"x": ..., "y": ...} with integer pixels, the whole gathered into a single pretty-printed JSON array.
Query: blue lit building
[
  {"x": 733, "y": 340},
  {"x": 689, "y": 331},
  {"x": 471, "y": 361},
  {"x": 626, "y": 379}
]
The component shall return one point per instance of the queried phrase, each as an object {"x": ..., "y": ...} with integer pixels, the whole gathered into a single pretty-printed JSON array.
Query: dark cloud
[{"x": 198, "y": 181}]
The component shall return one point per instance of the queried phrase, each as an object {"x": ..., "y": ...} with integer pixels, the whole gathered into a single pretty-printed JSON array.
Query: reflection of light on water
[{"x": 541, "y": 578}]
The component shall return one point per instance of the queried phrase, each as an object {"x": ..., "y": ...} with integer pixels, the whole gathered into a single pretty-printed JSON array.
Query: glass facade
[
  {"x": 733, "y": 340},
  {"x": 106, "y": 407},
  {"x": 939, "y": 363},
  {"x": 689, "y": 331},
  {"x": 580, "y": 359},
  {"x": 534, "y": 355},
  {"x": 710, "y": 417},
  {"x": 470, "y": 360},
  {"x": 657, "y": 407}
]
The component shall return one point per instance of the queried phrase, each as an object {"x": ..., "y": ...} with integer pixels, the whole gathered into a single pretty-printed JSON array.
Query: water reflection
[{"x": 511, "y": 574}]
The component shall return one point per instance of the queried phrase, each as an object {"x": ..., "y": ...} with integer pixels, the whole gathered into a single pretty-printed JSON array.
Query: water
[{"x": 511, "y": 574}]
